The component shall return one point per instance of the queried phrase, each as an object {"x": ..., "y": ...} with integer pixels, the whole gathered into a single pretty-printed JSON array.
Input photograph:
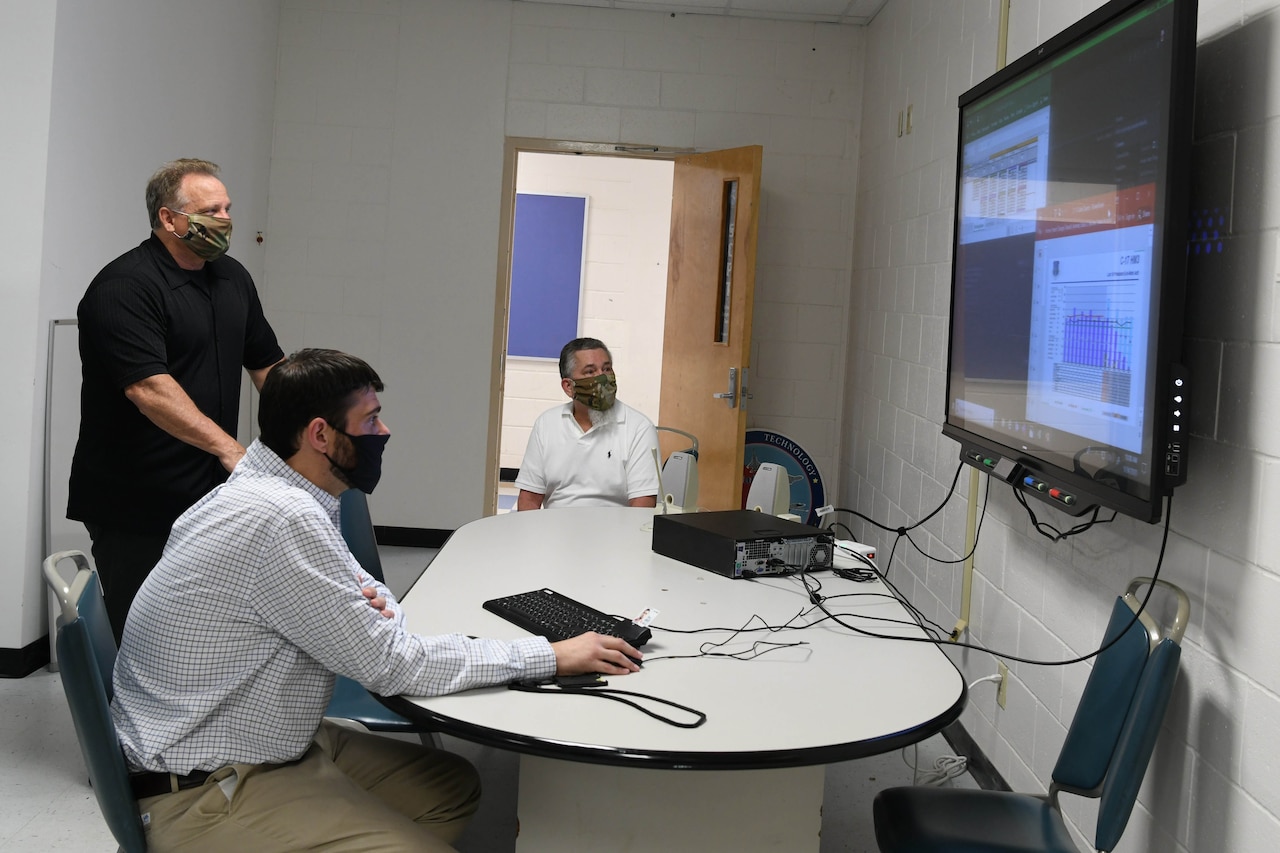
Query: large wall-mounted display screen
[{"x": 1069, "y": 263}]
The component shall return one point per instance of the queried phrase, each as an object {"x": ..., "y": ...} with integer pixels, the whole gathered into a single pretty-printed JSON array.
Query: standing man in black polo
[{"x": 164, "y": 331}]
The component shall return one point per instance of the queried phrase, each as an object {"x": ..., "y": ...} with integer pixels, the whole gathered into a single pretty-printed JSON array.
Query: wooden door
[{"x": 715, "y": 209}]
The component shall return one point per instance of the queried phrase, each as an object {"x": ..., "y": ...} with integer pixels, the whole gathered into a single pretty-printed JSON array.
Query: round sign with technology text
[{"x": 807, "y": 494}]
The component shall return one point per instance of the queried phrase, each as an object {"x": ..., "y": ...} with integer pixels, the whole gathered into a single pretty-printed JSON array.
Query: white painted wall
[
  {"x": 100, "y": 95},
  {"x": 26, "y": 66},
  {"x": 386, "y": 181},
  {"x": 624, "y": 286},
  {"x": 396, "y": 113},
  {"x": 1211, "y": 785}
]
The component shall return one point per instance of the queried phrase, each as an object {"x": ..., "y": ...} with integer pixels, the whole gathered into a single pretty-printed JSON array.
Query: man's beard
[
  {"x": 349, "y": 461},
  {"x": 597, "y": 416}
]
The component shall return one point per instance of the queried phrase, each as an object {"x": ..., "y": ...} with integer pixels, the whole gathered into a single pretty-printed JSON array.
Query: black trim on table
[{"x": 665, "y": 760}]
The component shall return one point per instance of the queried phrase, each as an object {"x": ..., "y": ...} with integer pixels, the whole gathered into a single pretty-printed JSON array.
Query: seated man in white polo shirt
[{"x": 594, "y": 450}]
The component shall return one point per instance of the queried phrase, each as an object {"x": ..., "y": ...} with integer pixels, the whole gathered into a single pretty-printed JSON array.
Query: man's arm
[
  {"x": 642, "y": 466},
  {"x": 166, "y": 405},
  {"x": 528, "y": 500},
  {"x": 260, "y": 375}
]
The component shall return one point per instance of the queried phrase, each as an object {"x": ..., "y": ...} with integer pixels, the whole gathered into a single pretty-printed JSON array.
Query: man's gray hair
[
  {"x": 569, "y": 355},
  {"x": 165, "y": 187}
]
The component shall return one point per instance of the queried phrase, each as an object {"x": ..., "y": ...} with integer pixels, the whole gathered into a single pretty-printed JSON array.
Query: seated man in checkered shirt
[{"x": 230, "y": 649}]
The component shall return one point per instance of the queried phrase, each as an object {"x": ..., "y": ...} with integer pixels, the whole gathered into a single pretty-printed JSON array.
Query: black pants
[{"x": 123, "y": 558}]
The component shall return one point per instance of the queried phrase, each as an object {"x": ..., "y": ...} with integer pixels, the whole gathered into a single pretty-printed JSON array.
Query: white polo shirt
[{"x": 606, "y": 466}]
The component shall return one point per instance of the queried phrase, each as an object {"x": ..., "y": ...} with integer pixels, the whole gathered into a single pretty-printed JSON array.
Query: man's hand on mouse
[
  {"x": 377, "y": 602},
  {"x": 592, "y": 652}
]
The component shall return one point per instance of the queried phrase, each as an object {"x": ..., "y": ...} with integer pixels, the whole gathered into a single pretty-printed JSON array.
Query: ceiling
[{"x": 856, "y": 12}]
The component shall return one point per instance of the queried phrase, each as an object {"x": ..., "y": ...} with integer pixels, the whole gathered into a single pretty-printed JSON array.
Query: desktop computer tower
[{"x": 740, "y": 543}]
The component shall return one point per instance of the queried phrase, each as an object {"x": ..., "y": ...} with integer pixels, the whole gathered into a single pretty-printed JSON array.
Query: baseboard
[
  {"x": 411, "y": 537},
  {"x": 19, "y": 663},
  {"x": 980, "y": 767}
]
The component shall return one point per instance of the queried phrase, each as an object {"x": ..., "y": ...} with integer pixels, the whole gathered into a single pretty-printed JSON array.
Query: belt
[{"x": 146, "y": 784}]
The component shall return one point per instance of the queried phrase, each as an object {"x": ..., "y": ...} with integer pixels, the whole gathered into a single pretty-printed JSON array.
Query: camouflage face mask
[
  {"x": 207, "y": 236},
  {"x": 596, "y": 392}
]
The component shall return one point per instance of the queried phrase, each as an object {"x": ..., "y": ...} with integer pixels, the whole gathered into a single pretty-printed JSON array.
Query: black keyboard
[{"x": 549, "y": 614}]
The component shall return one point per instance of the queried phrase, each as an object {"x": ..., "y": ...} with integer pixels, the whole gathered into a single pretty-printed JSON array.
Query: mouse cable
[
  {"x": 792, "y": 624},
  {"x": 744, "y": 629},
  {"x": 615, "y": 695},
  {"x": 1151, "y": 588},
  {"x": 757, "y": 649}
]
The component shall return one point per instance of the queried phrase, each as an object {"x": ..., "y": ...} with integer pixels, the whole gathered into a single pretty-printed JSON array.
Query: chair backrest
[
  {"x": 86, "y": 659},
  {"x": 1114, "y": 730},
  {"x": 356, "y": 526}
]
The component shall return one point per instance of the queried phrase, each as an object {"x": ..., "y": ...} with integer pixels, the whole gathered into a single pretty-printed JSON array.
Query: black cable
[
  {"x": 977, "y": 535},
  {"x": 903, "y": 530},
  {"x": 871, "y": 573},
  {"x": 818, "y": 602},
  {"x": 1052, "y": 533},
  {"x": 615, "y": 695},
  {"x": 765, "y": 626},
  {"x": 1164, "y": 541},
  {"x": 833, "y": 525}
]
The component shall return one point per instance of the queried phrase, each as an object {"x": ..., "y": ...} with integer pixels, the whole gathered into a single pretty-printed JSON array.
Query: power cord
[{"x": 944, "y": 769}]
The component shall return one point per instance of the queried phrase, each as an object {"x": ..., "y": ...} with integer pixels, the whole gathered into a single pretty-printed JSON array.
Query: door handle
[
  {"x": 730, "y": 396},
  {"x": 744, "y": 394}
]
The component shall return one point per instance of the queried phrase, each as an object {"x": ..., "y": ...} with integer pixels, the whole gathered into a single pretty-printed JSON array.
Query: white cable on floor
[{"x": 945, "y": 768}]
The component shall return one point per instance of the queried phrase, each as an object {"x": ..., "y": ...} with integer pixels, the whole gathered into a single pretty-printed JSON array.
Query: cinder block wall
[{"x": 1211, "y": 785}]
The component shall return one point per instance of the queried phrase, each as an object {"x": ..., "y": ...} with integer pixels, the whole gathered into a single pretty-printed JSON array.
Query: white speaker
[
  {"x": 770, "y": 490},
  {"x": 680, "y": 480}
]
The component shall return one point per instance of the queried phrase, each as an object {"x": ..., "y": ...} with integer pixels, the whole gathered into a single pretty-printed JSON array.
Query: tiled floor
[{"x": 46, "y": 803}]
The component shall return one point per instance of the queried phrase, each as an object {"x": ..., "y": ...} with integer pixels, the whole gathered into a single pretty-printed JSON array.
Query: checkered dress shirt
[{"x": 231, "y": 644}]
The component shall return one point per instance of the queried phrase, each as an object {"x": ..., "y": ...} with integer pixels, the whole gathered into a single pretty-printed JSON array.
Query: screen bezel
[{"x": 1012, "y": 462}]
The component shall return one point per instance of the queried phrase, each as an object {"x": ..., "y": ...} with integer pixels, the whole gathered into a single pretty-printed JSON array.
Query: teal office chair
[
  {"x": 1104, "y": 756},
  {"x": 86, "y": 659},
  {"x": 350, "y": 700}
]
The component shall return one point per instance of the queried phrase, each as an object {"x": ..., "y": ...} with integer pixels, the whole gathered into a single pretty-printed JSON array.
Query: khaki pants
[{"x": 351, "y": 791}]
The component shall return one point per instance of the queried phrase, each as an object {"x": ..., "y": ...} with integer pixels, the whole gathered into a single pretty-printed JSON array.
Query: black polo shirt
[{"x": 144, "y": 315}]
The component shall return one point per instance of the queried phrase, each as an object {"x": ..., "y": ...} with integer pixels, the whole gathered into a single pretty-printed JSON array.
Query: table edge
[{"x": 674, "y": 760}]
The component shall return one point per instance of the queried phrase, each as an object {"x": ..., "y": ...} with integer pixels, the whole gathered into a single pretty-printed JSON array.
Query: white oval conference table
[{"x": 599, "y": 775}]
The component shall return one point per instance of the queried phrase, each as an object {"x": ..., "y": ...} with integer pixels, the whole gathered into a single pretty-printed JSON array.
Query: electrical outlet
[{"x": 1002, "y": 691}]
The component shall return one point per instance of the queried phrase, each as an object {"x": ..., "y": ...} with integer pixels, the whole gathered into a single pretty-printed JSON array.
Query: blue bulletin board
[{"x": 547, "y": 264}]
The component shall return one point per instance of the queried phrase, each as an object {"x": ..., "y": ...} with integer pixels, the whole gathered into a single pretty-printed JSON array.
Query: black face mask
[{"x": 367, "y": 471}]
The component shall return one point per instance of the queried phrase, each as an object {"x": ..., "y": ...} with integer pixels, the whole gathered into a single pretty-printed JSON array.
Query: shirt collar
[
  {"x": 174, "y": 275},
  {"x": 262, "y": 460}
]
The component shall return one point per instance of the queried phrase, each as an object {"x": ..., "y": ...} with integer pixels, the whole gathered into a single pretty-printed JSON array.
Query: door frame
[{"x": 513, "y": 147}]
